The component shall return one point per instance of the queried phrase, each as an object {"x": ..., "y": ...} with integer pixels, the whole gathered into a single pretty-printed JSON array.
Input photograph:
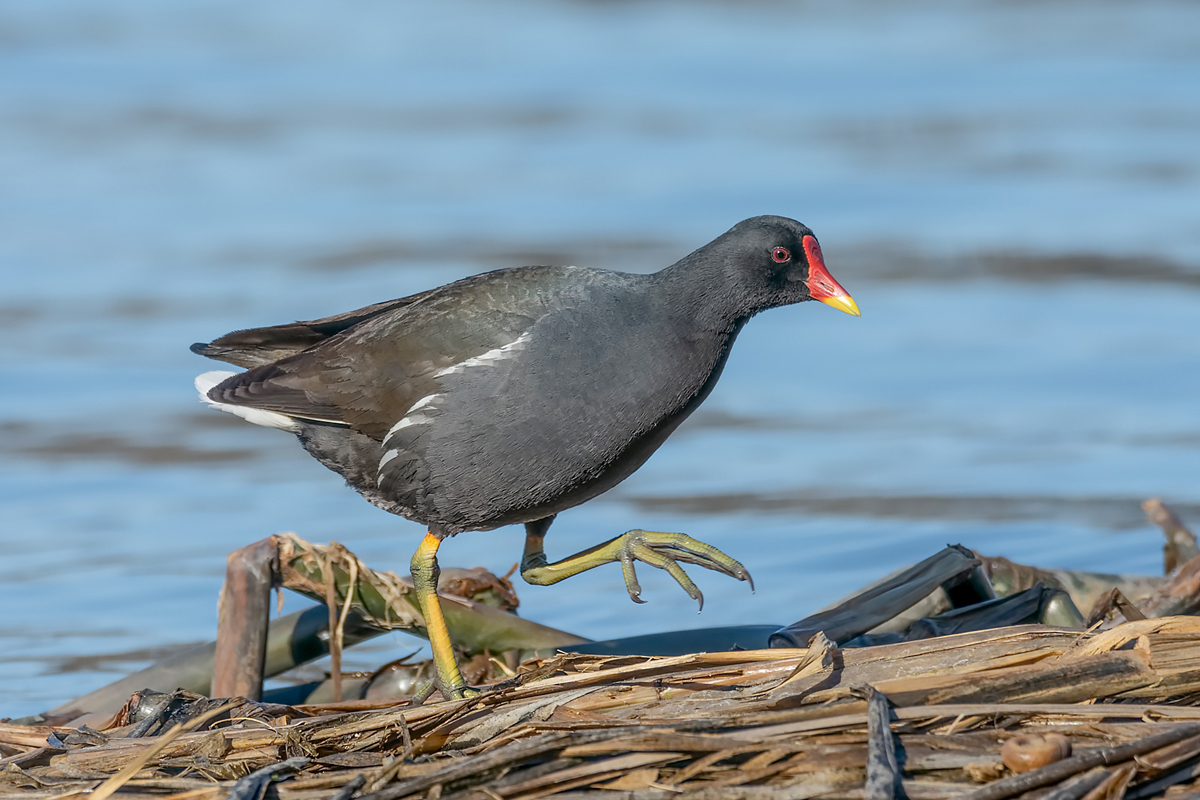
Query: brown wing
[
  {"x": 258, "y": 346},
  {"x": 371, "y": 373}
]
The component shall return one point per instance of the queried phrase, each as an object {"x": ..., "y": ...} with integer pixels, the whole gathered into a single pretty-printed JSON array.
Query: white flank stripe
[
  {"x": 267, "y": 419},
  {"x": 424, "y": 401},
  {"x": 485, "y": 359},
  {"x": 404, "y": 423},
  {"x": 413, "y": 417},
  {"x": 383, "y": 462}
]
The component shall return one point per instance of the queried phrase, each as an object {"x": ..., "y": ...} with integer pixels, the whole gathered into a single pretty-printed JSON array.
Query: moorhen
[{"x": 510, "y": 396}]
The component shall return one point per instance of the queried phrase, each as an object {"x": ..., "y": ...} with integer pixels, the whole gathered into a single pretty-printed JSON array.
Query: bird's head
[{"x": 778, "y": 260}]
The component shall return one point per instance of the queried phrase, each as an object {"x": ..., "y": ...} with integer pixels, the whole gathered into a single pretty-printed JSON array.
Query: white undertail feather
[{"x": 267, "y": 419}]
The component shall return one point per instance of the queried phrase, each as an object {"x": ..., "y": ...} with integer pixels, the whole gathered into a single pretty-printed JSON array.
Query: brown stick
[
  {"x": 1181, "y": 542},
  {"x": 1113, "y": 787},
  {"x": 335, "y": 643},
  {"x": 244, "y": 613},
  {"x": 1078, "y": 787},
  {"x": 1113, "y": 600}
]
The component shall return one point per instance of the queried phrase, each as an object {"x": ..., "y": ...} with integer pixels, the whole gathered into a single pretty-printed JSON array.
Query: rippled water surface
[{"x": 1011, "y": 191}]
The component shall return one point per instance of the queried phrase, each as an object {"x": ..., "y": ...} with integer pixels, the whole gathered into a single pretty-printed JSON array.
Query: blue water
[{"x": 1011, "y": 192}]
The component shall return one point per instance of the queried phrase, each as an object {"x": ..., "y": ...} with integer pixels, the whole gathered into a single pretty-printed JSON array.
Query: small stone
[{"x": 1029, "y": 751}]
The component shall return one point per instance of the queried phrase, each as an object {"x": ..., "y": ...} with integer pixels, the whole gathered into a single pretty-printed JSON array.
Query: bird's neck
[{"x": 700, "y": 292}]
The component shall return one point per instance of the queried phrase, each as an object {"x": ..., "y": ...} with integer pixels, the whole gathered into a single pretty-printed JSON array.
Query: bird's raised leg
[
  {"x": 658, "y": 549},
  {"x": 425, "y": 580}
]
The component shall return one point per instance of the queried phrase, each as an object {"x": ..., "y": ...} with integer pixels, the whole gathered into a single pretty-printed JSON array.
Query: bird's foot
[
  {"x": 665, "y": 551},
  {"x": 452, "y": 692},
  {"x": 658, "y": 549}
]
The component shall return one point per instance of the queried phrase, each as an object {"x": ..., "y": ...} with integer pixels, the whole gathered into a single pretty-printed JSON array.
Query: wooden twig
[
  {"x": 331, "y": 604},
  {"x": 1113, "y": 787},
  {"x": 1077, "y": 787},
  {"x": 244, "y": 616},
  {"x": 492, "y": 759},
  {"x": 883, "y": 771},
  {"x": 1113, "y": 600},
  {"x": 350, "y": 789},
  {"x": 254, "y": 785},
  {"x": 1181, "y": 545},
  {"x": 1155, "y": 788}
]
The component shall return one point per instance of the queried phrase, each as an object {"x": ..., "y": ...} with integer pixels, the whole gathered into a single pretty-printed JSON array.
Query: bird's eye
[{"x": 781, "y": 255}]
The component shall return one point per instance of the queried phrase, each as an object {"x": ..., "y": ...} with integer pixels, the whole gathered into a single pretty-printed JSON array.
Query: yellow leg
[
  {"x": 425, "y": 580},
  {"x": 658, "y": 549}
]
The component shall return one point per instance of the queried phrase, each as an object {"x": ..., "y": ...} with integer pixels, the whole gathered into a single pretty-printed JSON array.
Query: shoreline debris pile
[{"x": 899, "y": 691}]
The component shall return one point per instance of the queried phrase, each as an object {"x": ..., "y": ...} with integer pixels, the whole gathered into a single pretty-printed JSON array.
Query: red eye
[{"x": 781, "y": 255}]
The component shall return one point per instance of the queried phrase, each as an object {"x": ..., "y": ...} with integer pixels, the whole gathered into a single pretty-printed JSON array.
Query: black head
[{"x": 776, "y": 261}]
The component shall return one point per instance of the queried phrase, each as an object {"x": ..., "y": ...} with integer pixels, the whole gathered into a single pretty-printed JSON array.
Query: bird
[{"x": 513, "y": 395}]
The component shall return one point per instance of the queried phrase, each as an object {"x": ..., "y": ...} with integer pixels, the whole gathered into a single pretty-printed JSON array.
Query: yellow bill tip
[{"x": 842, "y": 302}]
